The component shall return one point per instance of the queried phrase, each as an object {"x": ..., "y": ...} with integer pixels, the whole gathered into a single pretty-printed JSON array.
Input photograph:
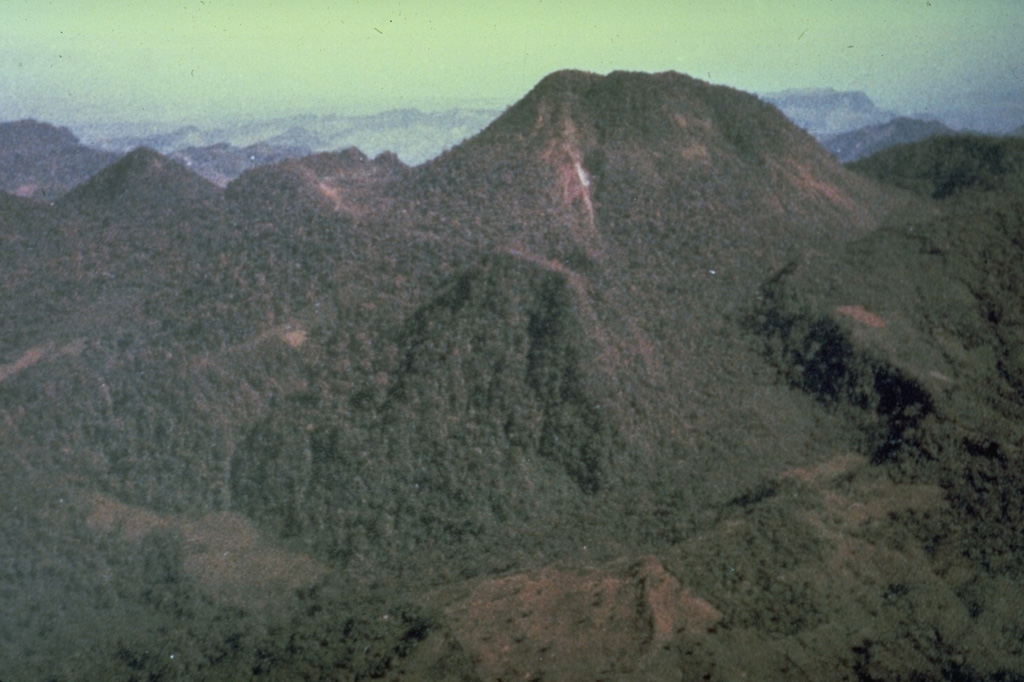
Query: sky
[{"x": 208, "y": 60}]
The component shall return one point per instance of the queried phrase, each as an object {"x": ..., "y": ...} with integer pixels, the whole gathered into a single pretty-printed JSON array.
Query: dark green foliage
[
  {"x": 546, "y": 347},
  {"x": 950, "y": 165},
  {"x": 84, "y": 607},
  {"x": 324, "y": 638},
  {"x": 490, "y": 394},
  {"x": 959, "y": 435},
  {"x": 816, "y": 355}
]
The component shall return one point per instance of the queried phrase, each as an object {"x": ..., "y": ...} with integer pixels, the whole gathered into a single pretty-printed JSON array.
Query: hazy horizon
[{"x": 208, "y": 62}]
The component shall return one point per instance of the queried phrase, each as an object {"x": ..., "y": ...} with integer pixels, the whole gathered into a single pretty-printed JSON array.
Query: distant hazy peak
[
  {"x": 857, "y": 144},
  {"x": 824, "y": 111},
  {"x": 43, "y": 161},
  {"x": 29, "y": 132},
  {"x": 818, "y": 96}
]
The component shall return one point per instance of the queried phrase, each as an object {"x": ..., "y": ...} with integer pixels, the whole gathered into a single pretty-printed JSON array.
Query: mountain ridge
[
  {"x": 641, "y": 353},
  {"x": 947, "y": 166},
  {"x": 413, "y": 135},
  {"x": 42, "y": 161},
  {"x": 863, "y": 142},
  {"x": 825, "y": 111}
]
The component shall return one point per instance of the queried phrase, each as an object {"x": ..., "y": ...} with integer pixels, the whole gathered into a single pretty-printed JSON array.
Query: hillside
[
  {"x": 345, "y": 182},
  {"x": 637, "y": 383},
  {"x": 43, "y": 162},
  {"x": 857, "y": 144},
  {"x": 951, "y": 165},
  {"x": 620, "y": 164},
  {"x": 142, "y": 178}
]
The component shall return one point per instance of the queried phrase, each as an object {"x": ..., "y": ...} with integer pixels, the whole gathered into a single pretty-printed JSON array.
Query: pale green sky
[{"x": 193, "y": 60}]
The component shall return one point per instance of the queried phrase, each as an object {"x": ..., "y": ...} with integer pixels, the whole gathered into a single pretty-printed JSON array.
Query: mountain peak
[
  {"x": 666, "y": 113},
  {"x": 564, "y": 80},
  {"x": 30, "y": 134},
  {"x": 585, "y": 161},
  {"x": 43, "y": 161},
  {"x": 144, "y": 160},
  {"x": 825, "y": 111},
  {"x": 146, "y": 176}
]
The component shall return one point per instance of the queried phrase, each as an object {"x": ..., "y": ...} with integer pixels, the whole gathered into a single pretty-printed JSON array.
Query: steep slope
[
  {"x": 628, "y": 165},
  {"x": 916, "y": 328},
  {"x": 627, "y": 368},
  {"x": 143, "y": 180},
  {"x": 42, "y": 161},
  {"x": 481, "y": 430},
  {"x": 667, "y": 199}
]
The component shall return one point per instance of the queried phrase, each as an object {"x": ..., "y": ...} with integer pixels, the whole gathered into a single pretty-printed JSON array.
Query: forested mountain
[
  {"x": 639, "y": 382},
  {"x": 43, "y": 162},
  {"x": 857, "y": 144}
]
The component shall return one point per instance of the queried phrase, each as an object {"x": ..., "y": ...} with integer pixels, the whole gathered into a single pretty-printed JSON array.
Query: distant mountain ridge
[
  {"x": 413, "y": 135},
  {"x": 42, "y": 161},
  {"x": 221, "y": 163},
  {"x": 825, "y": 111},
  {"x": 850, "y": 125},
  {"x": 857, "y": 144}
]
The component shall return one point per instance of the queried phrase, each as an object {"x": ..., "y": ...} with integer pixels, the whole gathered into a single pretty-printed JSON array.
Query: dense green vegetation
[
  {"x": 635, "y": 316},
  {"x": 951, "y": 165}
]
